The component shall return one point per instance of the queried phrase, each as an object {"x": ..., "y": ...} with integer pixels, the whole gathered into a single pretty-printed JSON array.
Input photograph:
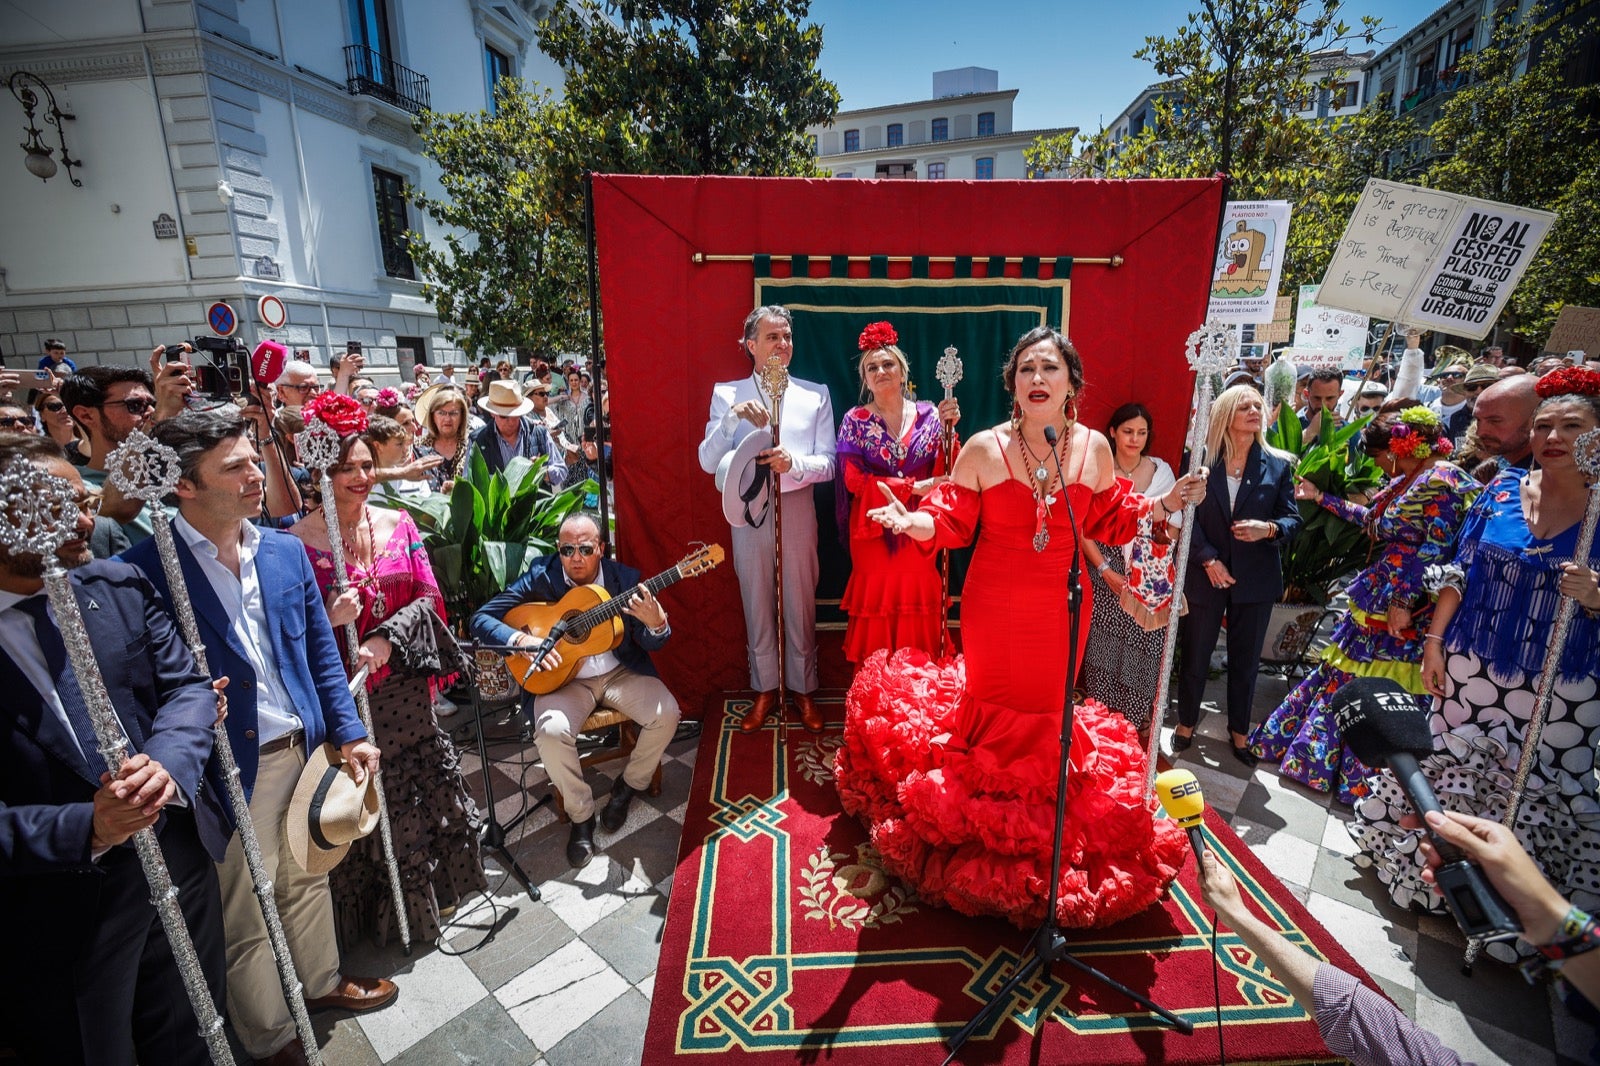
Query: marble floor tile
[
  {"x": 522, "y": 933},
  {"x": 1290, "y": 858},
  {"x": 559, "y": 995},
  {"x": 1495, "y": 993},
  {"x": 434, "y": 988},
  {"x": 1283, "y": 808},
  {"x": 630, "y": 937},
  {"x": 1384, "y": 950},
  {"x": 1478, "y": 1040},
  {"x": 584, "y": 896},
  {"x": 484, "y": 1033},
  {"x": 616, "y": 1034}
]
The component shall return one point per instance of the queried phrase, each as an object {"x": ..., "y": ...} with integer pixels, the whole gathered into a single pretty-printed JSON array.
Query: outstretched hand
[{"x": 893, "y": 515}]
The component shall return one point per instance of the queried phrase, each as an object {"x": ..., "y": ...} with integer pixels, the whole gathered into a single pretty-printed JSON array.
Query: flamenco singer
[{"x": 967, "y": 818}]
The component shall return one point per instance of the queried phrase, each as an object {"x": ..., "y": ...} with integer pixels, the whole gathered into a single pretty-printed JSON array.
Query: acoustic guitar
[{"x": 587, "y": 621}]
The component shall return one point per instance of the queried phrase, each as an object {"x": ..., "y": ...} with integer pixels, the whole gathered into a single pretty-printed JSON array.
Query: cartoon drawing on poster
[
  {"x": 1330, "y": 329},
  {"x": 1244, "y": 283},
  {"x": 1484, "y": 257}
]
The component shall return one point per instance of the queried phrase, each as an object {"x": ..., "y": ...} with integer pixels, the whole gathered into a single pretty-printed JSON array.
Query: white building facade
[
  {"x": 234, "y": 149},
  {"x": 965, "y": 132}
]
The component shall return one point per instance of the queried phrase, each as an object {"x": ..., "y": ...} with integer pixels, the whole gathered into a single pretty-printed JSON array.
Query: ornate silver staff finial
[
  {"x": 948, "y": 369},
  {"x": 318, "y": 445},
  {"x": 143, "y": 468},
  {"x": 1209, "y": 347},
  {"x": 1586, "y": 454},
  {"x": 38, "y": 511}
]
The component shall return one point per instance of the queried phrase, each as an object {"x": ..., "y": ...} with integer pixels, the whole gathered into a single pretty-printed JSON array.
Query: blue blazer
[
  {"x": 310, "y": 668},
  {"x": 534, "y": 441},
  {"x": 1266, "y": 493},
  {"x": 166, "y": 707},
  {"x": 545, "y": 582}
]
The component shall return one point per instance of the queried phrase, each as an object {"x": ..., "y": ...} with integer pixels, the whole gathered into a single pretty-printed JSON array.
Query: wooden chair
[{"x": 627, "y": 736}]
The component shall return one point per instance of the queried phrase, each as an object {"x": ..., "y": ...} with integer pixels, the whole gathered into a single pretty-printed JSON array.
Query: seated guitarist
[{"x": 623, "y": 680}]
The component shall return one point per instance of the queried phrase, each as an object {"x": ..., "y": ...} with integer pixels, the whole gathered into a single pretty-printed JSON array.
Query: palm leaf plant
[{"x": 1327, "y": 547}]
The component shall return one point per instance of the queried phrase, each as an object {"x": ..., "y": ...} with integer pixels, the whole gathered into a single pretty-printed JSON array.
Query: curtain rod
[{"x": 707, "y": 257}]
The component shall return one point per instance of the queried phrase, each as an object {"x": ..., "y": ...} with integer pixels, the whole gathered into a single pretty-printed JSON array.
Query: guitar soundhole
[{"x": 576, "y": 631}]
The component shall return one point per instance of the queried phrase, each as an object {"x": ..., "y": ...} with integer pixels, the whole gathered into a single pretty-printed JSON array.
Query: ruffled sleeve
[
  {"x": 954, "y": 509},
  {"x": 1429, "y": 516},
  {"x": 1114, "y": 513}
]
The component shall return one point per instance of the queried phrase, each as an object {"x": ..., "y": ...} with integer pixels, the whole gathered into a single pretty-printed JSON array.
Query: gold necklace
[{"x": 1127, "y": 473}]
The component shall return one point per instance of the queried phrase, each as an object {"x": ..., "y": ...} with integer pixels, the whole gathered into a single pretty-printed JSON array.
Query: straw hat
[
  {"x": 328, "y": 812},
  {"x": 433, "y": 396},
  {"x": 1481, "y": 374},
  {"x": 504, "y": 399}
]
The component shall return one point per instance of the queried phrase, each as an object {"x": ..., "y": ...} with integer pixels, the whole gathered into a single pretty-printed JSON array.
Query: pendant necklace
[
  {"x": 353, "y": 561},
  {"x": 1043, "y": 498}
]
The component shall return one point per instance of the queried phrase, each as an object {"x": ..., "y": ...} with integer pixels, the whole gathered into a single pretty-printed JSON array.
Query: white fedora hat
[
  {"x": 746, "y": 489},
  {"x": 328, "y": 812},
  {"x": 505, "y": 399}
]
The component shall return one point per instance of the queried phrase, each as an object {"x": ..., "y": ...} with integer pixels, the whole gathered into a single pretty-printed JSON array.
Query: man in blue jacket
[
  {"x": 90, "y": 975},
  {"x": 623, "y": 679},
  {"x": 265, "y": 628}
]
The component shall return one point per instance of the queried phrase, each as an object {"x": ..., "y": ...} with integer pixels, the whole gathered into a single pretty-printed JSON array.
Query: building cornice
[
  {"x": 941, "y": 101},
  {"x": 1017, "y": 138}
]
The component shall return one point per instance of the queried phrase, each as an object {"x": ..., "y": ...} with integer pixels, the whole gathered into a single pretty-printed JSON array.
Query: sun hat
[
  {"x": 746, "y": 489},
  {"x": 328, "y": 811},
  {"x": 503, "y": 399}
]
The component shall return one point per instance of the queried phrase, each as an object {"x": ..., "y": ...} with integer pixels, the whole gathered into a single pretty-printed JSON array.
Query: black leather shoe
[
  {"x": 1245, "y": 755},
  {"x": 616, "y": 811},
  {"x": 1181, "y": 742},
  {"x": 580, "y": 844}
]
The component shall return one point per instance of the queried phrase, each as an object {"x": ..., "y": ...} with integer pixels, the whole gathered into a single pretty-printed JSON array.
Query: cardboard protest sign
[
  {"x": 1431, "y": 258},
  {"x": 1322, "y": 328},
  {"x": 1471, "y": 278},
  {"x": 1281, "y": 329},
  {"x": 1244, "y": 283},
  {"x": 1577, "y": 329},
  {"x": 1386, "y": 248},
  {"x": 1314, "y": 358}
]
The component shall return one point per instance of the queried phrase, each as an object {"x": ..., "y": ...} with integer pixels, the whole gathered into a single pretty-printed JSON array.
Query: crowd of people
[{"x": 944, "y": 756}]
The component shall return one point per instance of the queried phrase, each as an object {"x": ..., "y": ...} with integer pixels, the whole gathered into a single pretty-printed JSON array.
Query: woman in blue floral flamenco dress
[
  {"x": 1485, "y": 651},
  {"x": 1413, "y": 524},
  {"x": 953, "y": 764},
  {"x": 893, "y": 594}
]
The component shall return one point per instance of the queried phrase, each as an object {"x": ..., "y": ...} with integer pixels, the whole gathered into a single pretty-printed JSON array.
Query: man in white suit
[{"x": 804, "y": 456}]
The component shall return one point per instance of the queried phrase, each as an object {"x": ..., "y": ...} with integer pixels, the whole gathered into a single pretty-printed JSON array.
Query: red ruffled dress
[{"x": 952, "y": 764}]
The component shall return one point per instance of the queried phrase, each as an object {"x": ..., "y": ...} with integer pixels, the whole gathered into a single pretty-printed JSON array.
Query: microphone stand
[
  {"x": 493, "y": 835},
  {"x": 1048, "y": 945}
]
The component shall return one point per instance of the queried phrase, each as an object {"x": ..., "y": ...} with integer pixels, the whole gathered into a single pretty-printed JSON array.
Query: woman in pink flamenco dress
[{"x": 953, "y": 764}]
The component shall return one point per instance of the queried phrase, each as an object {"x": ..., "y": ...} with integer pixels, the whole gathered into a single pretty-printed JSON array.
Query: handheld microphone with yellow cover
[{"x": 1179, "y": 794}]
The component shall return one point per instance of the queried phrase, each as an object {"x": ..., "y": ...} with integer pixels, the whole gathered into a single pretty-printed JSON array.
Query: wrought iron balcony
[{"x": 371, "y": 73}]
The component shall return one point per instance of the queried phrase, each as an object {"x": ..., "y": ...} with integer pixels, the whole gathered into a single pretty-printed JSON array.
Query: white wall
[{"x": 25, "y": 22}]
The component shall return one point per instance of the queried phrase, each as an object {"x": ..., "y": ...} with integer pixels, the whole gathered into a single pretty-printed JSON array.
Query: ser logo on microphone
[{"x": 1180, "y": 789}]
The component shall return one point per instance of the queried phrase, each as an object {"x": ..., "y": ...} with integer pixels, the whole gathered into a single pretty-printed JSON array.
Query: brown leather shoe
[
  {"x": 355, "y": 994},
  {"x": 291, "y": 1054},
  {"x": 810, "y": 717},
  {"x": 756, "y": 716}
]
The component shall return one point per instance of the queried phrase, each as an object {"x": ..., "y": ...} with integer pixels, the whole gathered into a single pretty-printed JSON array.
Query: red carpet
[{"x": 784, "y": 942}]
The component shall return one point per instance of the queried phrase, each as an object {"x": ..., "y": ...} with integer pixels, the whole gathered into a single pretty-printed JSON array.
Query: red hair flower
[
  {"x": 1568, "y": 381},
  {"x": 341, "y": 413},
  {"x": 877, "y": 335}
]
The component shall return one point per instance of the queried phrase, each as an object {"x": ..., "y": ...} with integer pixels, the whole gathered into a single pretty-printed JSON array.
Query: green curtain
[{"x": 982, "y": 317}]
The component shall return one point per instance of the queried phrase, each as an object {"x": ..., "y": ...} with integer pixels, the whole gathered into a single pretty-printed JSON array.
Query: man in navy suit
[
  {"x": 624, "y": 680},
  {"x": 265, "y": 628},
  {"x": 91, "y": 977}
]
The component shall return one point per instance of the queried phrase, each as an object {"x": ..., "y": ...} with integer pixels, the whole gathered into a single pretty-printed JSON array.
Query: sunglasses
[
  {"x": 569, "y": 550},
  {"x": 135, "y": 407},
  {"x": 1476, "y": 386},
  {"x": 55, "y": 406},
  {"x": 11, "y": 420}
]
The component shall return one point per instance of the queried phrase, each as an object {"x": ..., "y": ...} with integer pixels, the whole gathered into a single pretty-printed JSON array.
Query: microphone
[
  {"x": 1178, "y": 792},
  {"x": 1384, "y": 726},
  {"x": 266, "y": 362}
]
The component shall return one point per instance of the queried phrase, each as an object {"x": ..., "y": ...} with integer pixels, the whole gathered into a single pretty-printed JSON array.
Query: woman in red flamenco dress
[{"x": 953, "y": 764}]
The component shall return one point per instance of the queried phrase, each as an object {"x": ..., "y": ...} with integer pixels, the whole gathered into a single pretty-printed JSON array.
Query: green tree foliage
[
  {"x": 509, "y": 270},
  {"x": 691, "y": 86},
  {"x": 1530, "y": 138},
  {"x": 1236, "y": 73}
]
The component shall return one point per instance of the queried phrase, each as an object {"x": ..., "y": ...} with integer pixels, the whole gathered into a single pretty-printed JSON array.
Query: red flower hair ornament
[
  {"x": 1568, "y": 381},
  {"x": 877, "y": 335},
  {"x": 341, "y": 413}
]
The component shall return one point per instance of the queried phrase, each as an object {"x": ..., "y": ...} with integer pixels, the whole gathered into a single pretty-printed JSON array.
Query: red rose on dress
[{"x": 339, "y": 412}]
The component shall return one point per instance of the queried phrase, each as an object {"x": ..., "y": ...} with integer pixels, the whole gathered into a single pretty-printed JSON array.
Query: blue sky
[{"x": 1072, "y": 60}]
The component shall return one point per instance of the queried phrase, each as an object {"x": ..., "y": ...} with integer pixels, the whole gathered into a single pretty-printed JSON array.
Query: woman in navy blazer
[{"x": 1235, "y": 570}]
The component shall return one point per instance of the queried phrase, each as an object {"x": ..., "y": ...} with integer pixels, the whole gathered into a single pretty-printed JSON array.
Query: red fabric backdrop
[{"x": 672, "y": 329}]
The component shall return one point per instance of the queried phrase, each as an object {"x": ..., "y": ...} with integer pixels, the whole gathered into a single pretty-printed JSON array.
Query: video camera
[{"x": 224, "y": 368}]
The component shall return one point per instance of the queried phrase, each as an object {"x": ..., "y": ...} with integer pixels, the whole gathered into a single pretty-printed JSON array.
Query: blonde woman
[
  {"x": 442, "y": 411},
  {"x": 1235, "y": 569}
]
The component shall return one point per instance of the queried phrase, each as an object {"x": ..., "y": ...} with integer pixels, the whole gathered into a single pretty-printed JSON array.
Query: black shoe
[
  {"x": 616, "y": 811},
  {"x": 580, "y": 845},
  {"x": 1245, "y": 755},
  {"x": 1181, "y": 742}
]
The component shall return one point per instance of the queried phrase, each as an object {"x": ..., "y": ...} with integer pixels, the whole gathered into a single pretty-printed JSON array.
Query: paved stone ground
[{"x": 567, "y": 981}]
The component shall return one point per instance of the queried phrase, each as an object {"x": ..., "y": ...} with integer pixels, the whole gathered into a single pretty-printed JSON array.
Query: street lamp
[{"x": 26, "y": 88}]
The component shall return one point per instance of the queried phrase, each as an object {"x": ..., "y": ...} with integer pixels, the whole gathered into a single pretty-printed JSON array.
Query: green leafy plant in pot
[
  {"x": 487, "y": 532},
  {"x": 1327, "y": 547}
]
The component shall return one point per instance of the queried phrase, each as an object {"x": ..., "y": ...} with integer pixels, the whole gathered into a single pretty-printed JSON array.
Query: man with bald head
[{"x": 1504, "y": 418}]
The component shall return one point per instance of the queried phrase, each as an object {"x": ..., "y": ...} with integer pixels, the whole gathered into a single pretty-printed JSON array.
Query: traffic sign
[
  {"x": 273, "y": 313},
  {"x": 222, "y": 319}
]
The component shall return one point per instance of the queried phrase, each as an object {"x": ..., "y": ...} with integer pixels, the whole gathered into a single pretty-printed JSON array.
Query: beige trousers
[
  {"x": 559, "y": 715},
  {"x": 256, "y": 1005}
]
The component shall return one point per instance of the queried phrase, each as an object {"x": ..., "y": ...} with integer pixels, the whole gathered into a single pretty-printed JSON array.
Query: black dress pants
[{"x": 1197, "y": 636}]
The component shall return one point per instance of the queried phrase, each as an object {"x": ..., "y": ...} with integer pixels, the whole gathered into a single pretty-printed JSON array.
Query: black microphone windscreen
[
  {"x": 1050, "y": 435},
  {"x": 1378, "y": 719}
]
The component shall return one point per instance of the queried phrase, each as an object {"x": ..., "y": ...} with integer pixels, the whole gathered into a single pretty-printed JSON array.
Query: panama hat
[
  {"x": 505, "y": 400},
  {"x": 746, "y": 489},
  {"x": 328, "y": 812}
]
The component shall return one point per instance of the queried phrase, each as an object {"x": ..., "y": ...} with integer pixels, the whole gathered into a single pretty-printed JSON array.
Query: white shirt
[
  {"x": 807, "y": 431},
  {"x": 241, "y": 599}
]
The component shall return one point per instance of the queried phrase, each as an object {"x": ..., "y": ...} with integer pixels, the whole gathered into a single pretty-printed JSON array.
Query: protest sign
[
  {"x": 1324, "y": 328},
  {"x": 1315, "y": 358},
  {"x": 1472, "y": 275},
  {"x": 1244, "y": 283},
  {"x": 1577, "y": 329},
  {"x": 1281, "y": 329},
  {"x": 1386, "y": 248}
]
